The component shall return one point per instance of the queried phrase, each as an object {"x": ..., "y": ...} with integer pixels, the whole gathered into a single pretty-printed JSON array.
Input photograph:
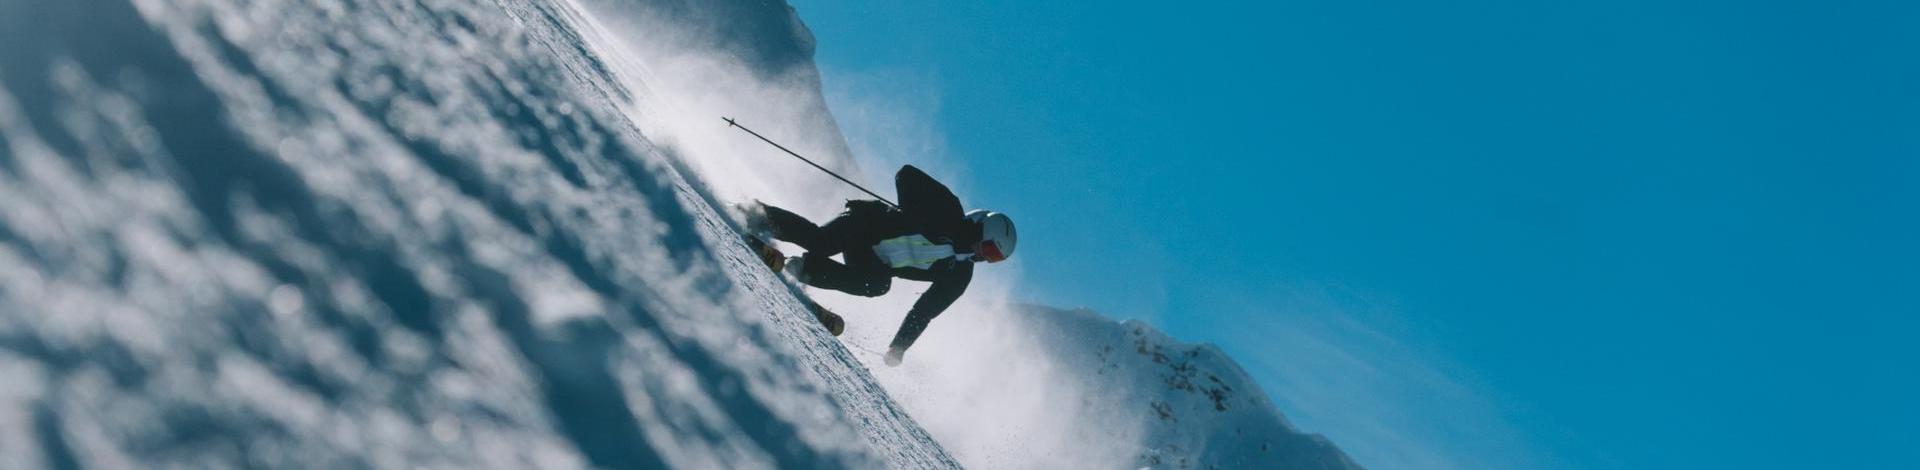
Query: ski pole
[{"x": 842, "y": 179}]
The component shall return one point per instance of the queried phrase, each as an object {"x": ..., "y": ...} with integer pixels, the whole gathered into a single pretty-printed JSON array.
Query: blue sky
[{"x": 1634, "y": 234}]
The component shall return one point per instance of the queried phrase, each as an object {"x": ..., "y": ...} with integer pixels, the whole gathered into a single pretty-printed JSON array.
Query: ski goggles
[{"x": 989, "y": 252}]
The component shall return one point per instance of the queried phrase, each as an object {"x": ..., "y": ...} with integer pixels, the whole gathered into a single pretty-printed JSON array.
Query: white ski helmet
[{"x": 996, "y": 235}]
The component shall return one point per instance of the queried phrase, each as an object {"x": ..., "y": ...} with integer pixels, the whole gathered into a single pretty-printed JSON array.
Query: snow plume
[
  {"x": 979, "y": 380},
  {"x": 984, "y": 383},
  {"x": 689, "y": 66}
]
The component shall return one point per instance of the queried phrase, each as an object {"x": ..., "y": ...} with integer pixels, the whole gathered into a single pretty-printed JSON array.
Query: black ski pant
[{"x": 851, "y": 235}]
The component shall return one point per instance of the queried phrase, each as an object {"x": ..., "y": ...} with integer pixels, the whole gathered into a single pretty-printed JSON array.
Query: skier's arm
[{"x": 946, "y": 288}]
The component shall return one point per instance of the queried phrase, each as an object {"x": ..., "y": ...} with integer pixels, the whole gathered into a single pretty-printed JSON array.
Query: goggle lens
[{"x": 991, "y": 252}]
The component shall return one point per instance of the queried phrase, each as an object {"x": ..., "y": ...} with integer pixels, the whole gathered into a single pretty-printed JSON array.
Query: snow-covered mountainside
[
  {"x": 1204, "y": 411},
  {"x": 482, "y": 233}
]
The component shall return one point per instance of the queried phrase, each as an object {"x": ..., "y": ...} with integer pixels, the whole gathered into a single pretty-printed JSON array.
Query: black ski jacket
[{"x": 931, "y": 210}]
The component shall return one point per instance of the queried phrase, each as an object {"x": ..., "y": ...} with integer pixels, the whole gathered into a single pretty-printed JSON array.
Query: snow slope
[
  {"x": 481, "y": 233},
  {"x": 377, "y": 233}
]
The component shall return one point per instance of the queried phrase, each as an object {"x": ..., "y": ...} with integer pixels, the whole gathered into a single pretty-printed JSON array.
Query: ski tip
[{"x": 729, "y": 121}]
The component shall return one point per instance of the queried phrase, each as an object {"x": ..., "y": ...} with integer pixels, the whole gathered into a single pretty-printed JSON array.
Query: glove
[{"x": 894, "y": 356}]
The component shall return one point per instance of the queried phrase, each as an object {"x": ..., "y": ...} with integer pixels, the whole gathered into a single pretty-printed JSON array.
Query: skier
[{"x": 925, "y": 238}]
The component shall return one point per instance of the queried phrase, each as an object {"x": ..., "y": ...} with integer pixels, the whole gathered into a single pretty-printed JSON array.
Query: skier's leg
[
  {"x": 795, "y": 229},
  {"x": 849, "y": 231},
  {"x": 851, "y": 234},
  {"x": 858, "y": 276}
]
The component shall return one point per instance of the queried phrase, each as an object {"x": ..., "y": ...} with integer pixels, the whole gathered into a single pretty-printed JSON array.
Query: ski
[{"x": 777, "y": 261}]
